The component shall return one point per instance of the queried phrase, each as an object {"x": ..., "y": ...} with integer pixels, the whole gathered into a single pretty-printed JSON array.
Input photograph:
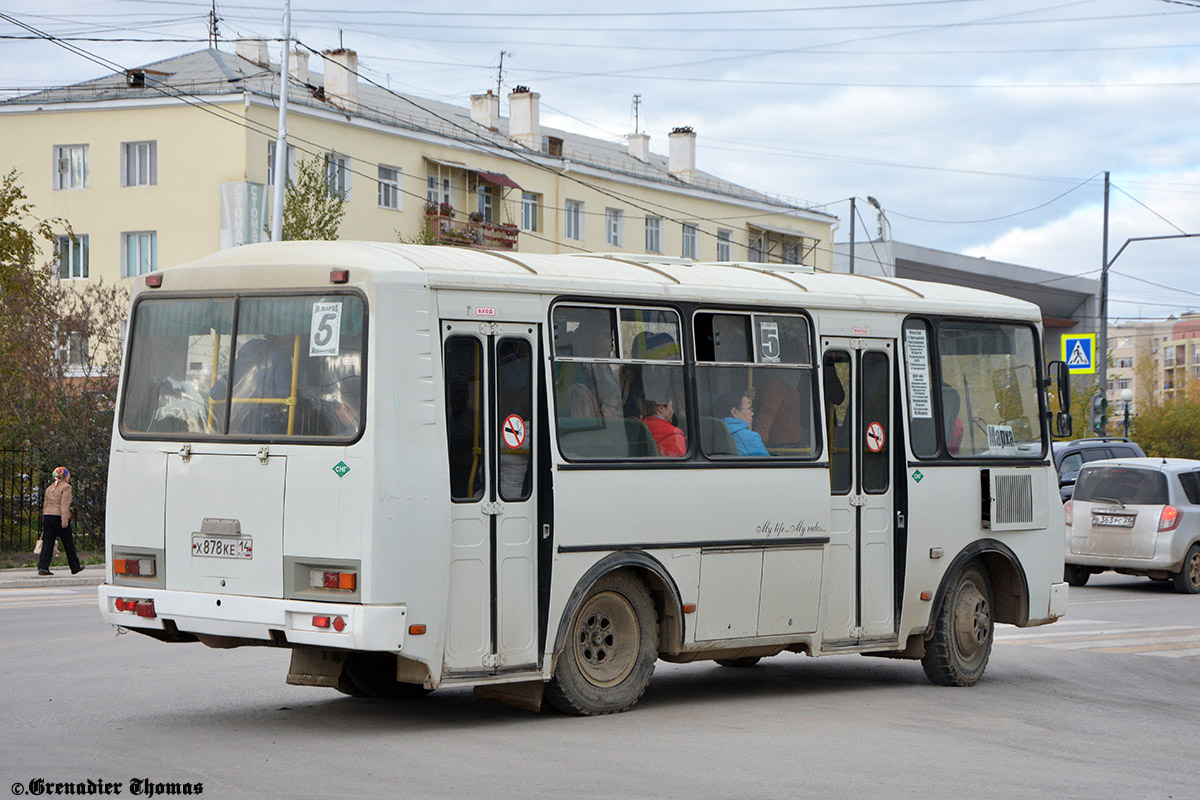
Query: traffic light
[{"x": 1099, "y": 414}]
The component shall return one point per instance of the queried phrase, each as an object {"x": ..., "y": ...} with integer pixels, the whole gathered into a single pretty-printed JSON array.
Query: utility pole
[
  {"x": 213, "y": 19},
  {"x": 1101, "y": 354},
  {"x": 852, "y": 199},
  {"x": 281, "y": 161}
]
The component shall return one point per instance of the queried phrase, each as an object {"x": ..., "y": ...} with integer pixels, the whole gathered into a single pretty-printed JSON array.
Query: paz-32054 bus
[{"x": 421, "y": 467}]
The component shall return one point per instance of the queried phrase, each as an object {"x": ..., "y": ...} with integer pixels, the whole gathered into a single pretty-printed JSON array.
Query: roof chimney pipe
[
  {"x": 299, "y": 66},
  {"x": 639, "y": 146},
  {"x": 485, "y": 110},
  {"x": 254, "y": 50},
  {"x": 682, "y": 157},
  {"x": 341, "y": 77},
  {"x": 524, "y": 126}
]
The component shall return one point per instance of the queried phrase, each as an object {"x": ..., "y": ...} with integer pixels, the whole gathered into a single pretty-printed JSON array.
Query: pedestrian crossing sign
[{"x": 1079, "y": 352}]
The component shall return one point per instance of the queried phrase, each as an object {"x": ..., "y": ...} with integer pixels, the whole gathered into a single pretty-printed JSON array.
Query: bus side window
[{"x": 838, "y": 420}]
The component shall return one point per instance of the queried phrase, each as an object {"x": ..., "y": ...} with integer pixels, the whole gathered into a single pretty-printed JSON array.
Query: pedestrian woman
[{"x": 56, "y": 523}]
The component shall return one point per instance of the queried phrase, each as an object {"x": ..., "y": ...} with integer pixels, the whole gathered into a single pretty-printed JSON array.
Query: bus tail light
[
  {"x": 1069, "y": 510},
  {"x": 142, "y": 608},
  {"x": 337, "y": 623},
  {"x": 134, "y": 567},
  {"x": 328, "y": 579},
  {"x": 1168, "y": 520}
]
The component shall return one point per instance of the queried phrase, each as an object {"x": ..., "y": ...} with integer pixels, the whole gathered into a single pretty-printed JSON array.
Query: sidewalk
[{"x": 24, "y": 578}]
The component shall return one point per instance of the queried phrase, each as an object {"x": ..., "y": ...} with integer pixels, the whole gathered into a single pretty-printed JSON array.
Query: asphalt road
[{"x": 1103, "y": 704}]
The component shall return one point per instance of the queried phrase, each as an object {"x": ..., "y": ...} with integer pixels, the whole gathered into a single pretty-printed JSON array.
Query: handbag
[{"x": 37, "y": 548}]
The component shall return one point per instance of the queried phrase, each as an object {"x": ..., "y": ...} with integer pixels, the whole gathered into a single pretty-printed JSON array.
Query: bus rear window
[{"x": 253, "y": 367}]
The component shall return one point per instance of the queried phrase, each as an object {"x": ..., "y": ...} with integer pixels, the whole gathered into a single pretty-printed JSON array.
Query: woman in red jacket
[{"x": 56, "y": 521}]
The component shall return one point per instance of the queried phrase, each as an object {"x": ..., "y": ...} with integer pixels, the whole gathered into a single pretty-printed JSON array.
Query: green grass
[{"x": 29, "y": 560}]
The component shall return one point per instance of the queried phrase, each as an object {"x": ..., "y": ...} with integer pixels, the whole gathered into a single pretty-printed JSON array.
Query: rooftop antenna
[
  {"x": 637, "y": 102},
  {"x": 213, "y": 19},
  {"x": 340, "y": 45},
  {"x": 500, "y": 72}
]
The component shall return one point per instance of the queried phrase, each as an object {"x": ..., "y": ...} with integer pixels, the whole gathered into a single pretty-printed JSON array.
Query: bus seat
[
  {"x": 622, "y": 437},
  {"x": 715, "y": 438}
]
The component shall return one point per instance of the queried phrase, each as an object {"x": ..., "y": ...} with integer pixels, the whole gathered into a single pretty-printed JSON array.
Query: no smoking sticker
[
  {"x": 875, "y": 437},
  {"x": 513, "y": 431}
]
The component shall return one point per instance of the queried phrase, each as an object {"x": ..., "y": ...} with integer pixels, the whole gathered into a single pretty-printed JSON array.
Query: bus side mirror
[{"x": 1061, "y": 379}]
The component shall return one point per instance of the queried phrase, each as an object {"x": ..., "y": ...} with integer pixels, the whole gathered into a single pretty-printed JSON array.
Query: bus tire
[
  {"x": 958, "y": 651},
  {"x": 739, "y": 663},
  {"x": 609, "y": 653},
  {"x": 374, "y": 674},
  {"x": 1187, "y": 580},
  {"x": 1076, "y": 575}
]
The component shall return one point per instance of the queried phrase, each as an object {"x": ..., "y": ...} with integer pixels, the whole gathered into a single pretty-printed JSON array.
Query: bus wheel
[
  {"x": 743, "y": 662},
  {"x": 611, "y": 647},
  {"x": 1187, "y": 580},
  {"x": 374, "y": 675},
  {"x": 1076, "y": 575},
  {"x": 958, "y": 652}
]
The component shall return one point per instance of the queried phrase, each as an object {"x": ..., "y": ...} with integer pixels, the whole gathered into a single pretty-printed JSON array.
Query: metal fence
[{"x": 23, "y": 476}]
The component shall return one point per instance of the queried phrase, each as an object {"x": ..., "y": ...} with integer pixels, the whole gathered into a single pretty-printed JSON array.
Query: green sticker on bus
[
  {"x": 917, "y": 475},
  {"x": 341, "y": 469}
]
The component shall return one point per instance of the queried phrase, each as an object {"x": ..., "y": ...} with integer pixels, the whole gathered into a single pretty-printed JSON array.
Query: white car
[{"x": 1138, "y": 516}]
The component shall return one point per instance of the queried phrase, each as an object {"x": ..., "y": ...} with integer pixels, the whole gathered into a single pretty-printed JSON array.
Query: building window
[
  {"x": 291, "y": 163},
  {"x": 791, "y": 252},
  {"x": 689, "y": 241},
  {"x": 530, "y": 203},
  {"x": 438, "y": 190},
  {"x": 71, "y": 349},
  {"x": 487, "y": 202},
  {"x": 1124, "y": 361},
  {"x": 574, "y": 220},
  {"x": 613, "y": 226},
  {"x": 73, "y": 256},
  {"x": 139, "y": 163},
  {"x": 1196, "y": 354},
  {"x": 758, "y": 253},
  {"x": 389, "y": 187},
  {"x": 724, "y": 245},
  {"x": 139, "y": 253},
  {"x": 653, "y": 234},
  {"x": 71, "y": 166},
  {"x": 337, "y": 174}
]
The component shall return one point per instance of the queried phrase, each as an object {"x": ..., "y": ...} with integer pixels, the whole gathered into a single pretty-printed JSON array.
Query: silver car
[{"x": 1138, "y": 516}]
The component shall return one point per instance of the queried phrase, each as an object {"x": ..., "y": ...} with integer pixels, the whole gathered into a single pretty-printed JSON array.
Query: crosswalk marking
[{"x": 1165, "y": 641}]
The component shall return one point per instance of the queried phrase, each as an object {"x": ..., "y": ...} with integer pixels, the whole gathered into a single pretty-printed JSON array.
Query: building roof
[{"x": 212, "y": 72}]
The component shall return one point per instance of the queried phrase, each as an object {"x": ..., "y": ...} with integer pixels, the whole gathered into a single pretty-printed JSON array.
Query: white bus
[{"x": 423, "y": 467}]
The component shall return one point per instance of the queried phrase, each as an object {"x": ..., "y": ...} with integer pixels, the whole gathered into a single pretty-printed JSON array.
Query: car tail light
[
  {"x": 1069, "y": 510},
  {"x": 1168, "y": 520},
  {"x": 327, "y": 579},
  {"x": 337, "y": 623},
  {"x": 143, "y": 608}
]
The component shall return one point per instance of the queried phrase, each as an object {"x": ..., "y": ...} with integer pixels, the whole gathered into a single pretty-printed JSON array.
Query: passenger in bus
[
  {"x": 781, "y": 413},
  {"x": 659, "y": 413},
  {"x": 736, "y": 409},
  {"x": 595, "y": 391}
]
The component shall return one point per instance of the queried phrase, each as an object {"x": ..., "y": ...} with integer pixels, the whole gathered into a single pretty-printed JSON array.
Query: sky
[{"x": 981, "y": 127}]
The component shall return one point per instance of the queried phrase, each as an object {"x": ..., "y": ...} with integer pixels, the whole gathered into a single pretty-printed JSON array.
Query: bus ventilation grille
[{"x": 1013, "y": 498}]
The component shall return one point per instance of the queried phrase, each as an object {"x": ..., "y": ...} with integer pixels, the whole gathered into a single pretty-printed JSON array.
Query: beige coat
[{"x": 58, "y": 500}]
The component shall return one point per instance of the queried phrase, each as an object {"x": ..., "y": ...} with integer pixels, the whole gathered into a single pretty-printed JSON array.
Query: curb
[{"x": 28, "y": 578}]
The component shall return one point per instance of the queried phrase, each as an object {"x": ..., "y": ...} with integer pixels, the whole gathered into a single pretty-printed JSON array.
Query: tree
[
  {"x": 314, "y": 208},
  {"x": 59, "y": 354}
]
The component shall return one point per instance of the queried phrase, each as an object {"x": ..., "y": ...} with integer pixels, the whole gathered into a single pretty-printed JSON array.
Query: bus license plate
[
  {"x": 221, "y": 547},
  {"x": 1112, "y": 521}
]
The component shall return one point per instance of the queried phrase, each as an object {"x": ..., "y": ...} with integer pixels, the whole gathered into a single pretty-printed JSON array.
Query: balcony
[{"x": 470, "y": 232}]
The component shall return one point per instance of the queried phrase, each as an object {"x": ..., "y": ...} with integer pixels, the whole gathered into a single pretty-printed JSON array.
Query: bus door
[
  {"x": 859, "y": 598},
  {"x": 490, "y": 378}
]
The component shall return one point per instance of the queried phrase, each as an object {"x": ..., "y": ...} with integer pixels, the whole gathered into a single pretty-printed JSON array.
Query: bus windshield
[{"x": 248, "y": 367}]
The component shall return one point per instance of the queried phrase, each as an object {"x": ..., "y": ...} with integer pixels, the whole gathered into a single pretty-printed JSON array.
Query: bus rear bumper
[{"x": 376, "y": 628}]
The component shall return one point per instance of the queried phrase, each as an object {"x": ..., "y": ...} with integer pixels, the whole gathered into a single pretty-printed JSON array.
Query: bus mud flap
[
  {"x": 315, "y": 666},
  {"x": 526, "y": 694}
]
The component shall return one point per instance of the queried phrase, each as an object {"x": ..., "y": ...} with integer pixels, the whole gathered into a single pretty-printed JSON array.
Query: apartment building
[
  {"x": 169, "y": 162},
  {"x": 1157, "y": 359}
]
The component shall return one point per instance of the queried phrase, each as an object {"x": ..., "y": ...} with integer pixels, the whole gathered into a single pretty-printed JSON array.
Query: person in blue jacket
[{"x": 736, "y": 408}]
